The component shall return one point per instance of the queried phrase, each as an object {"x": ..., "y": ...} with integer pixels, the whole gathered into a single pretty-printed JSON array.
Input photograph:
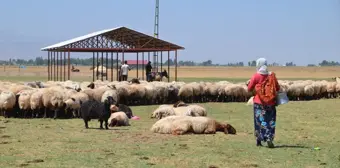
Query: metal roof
[{"x": 114, "y": 39}]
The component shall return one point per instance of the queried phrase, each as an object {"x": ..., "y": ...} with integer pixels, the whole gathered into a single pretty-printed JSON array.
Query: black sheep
[
  {"x": 124, "y": 108},
  {"x": 93, "y": 109}
]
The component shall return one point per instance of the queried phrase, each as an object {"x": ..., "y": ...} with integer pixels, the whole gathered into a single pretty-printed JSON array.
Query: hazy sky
[{"x": 303, "y": 31}]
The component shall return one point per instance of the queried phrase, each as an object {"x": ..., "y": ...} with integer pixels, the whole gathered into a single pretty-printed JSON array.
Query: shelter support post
[
  {"x": 97, "y": 65},
  {"x": 148, "y": 56},
  {"x": 102, "y": 70},
  {"x": 61, "y": 66},
  {"x": 117, "y": 67},
  {"x": 169, "y": 66},
  {"x": 143, "y": 66},
  {"x": 48, "y": 65},
  {"x": 137, "y": 64},
  {"x": 111, "y": 66},
  {"x": 64, "y": 66},
  {"x": 161, "y": 61},
  {"x": 176, "y": 65},
  {"x": 57, "y": 66},
  {"x": 123, "y": 58},
  {"x": 68, "y": 64},
  {"x": 93, "y": 66},
  {"x": 54, "y": 68},
  {"x": 106, "y": 62},
  {"x": 157, "y": 63}
]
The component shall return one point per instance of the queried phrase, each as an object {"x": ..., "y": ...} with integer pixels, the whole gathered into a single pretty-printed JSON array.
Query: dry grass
[
  {"x": 301, "y": 126},
  {"x": 184, "y": 73}
]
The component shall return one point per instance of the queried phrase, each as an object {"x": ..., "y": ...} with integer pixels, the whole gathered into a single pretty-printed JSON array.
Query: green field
[
  {"x": 301, "y": 126},
  {"x": 192, "y": 79}
]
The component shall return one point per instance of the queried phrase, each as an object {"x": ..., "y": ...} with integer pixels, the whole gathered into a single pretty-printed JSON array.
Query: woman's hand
[{"x": 247, "y": 83}]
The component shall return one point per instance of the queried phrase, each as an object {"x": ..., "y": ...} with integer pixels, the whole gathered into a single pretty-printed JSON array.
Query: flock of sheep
[
  {"x": 63, "y": 99},
  {"x": 177, "y": 119}
]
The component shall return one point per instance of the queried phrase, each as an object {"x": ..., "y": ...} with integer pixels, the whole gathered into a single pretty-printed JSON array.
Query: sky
[{"x": 224, "y": 31}]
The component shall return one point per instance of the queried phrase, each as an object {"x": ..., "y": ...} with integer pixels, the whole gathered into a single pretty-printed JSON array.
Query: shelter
[
  {"x": 110, "y": 41},
  {"x": 135, "y": 63}
]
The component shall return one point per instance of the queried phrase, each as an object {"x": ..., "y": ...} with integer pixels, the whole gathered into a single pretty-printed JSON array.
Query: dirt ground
[{"x": 186, "y": 72}]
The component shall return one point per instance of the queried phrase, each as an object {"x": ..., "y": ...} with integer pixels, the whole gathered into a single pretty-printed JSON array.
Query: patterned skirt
[{"x": 264, "y": 122}]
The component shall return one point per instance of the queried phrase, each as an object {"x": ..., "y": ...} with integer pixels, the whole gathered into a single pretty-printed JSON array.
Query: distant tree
[
  {"x": 329, "y": 63},
  {"x": 252, "y": 63},
  {"x": 290, "y": 64},
  {"x": 207, "y": 63}
]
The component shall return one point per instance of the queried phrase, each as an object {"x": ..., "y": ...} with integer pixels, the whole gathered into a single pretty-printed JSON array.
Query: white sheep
[
  {"x": 75, "y": 101},
  {"x": 190, "y": 110},
  {"x": 24, "y": 101},
  {"x": 36, "y": 102},
  {"x": 118, "y": 119},
  {"x": 7, "y": 103},
  {"x": 178, "y": 125},
  {"x": 112, "y": 93},
  {"x": 163, "y": 111},
  {"x": 53, "y": 100}
]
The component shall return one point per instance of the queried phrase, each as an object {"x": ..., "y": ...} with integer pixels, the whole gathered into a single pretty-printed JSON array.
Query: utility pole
[{"x": 156, "y": 34}]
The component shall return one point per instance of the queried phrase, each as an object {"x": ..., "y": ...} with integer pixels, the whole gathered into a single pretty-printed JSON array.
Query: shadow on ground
[{"x": 291, "y": 146}]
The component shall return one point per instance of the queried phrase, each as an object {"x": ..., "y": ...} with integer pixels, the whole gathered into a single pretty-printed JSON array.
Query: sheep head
[
  {"x": 179, "y": 104},
  {"x": 135, "y": 81},
  {"x": 91, "y": 85},
  {"x": 113, "y": 122},
  {"x": 226, "y": 128},
  {"x": 114, "y": 108}
]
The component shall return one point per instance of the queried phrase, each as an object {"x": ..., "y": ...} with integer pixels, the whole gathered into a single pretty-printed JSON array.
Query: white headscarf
[{"x": 261, "y": 66}]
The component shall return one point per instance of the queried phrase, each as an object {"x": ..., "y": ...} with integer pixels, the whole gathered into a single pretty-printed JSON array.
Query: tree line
[{"x": 39, "y": 61}]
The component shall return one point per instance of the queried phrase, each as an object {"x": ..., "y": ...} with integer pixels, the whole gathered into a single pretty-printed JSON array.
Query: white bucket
[{"x": 281, "y": 98}]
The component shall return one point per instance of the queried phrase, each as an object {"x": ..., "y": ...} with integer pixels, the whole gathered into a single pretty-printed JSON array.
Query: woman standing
[{"x": 264, "y": 109}]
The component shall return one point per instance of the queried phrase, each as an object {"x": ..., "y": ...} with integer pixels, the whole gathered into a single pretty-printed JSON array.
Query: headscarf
[{"x": 261, "y": 66}]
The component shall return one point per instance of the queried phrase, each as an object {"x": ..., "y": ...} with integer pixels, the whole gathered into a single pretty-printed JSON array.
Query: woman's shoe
[
  {"x": 270, "y": 144},
  {"x": 258, "y": 143}
]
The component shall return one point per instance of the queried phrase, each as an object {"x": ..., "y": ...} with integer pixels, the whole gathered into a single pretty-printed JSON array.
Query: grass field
[
  {"x": 301, "y": 126},
  {"x": 186, "y": 74}
]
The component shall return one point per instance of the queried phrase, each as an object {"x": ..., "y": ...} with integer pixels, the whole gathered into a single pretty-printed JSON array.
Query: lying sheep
[
  {"x": 163, "y": 111},
  {"x": 178, "y": 125},
  {"x": 182, "y": 108},
  {"x": 94, "y": 109},
  {"x": 118, "y": 119},
  {"x": 122, "y": 107},
  {"x": 190, "y": 110}
]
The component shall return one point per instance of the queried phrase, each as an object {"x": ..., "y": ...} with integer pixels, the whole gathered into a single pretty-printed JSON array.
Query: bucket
[{"x": 282, "y": 98}]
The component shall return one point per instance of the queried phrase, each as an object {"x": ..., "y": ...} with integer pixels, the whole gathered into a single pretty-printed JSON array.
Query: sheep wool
[
  {"x": 178, "y": 125},
  {"x": 250, "y": 101},
  {"x": 162, "y": 112},
  {"x": 36, "y": 100},
  {"x": 118, "y": 119},
  {"x": 7, "y": 100}
]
